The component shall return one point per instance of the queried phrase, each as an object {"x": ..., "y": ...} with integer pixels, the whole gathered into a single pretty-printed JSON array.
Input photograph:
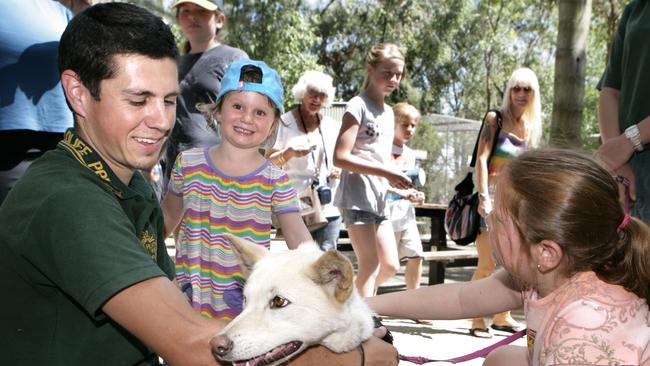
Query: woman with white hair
[
  {"x": 519, "y": 125},
  {"x": 304, "y": 148}
]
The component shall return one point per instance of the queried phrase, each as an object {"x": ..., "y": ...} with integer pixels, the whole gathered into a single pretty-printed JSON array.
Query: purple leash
[{"x": 419, "y": 360}]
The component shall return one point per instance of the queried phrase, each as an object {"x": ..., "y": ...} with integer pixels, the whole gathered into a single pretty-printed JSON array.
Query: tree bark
[{"x": 570, "y": 65}]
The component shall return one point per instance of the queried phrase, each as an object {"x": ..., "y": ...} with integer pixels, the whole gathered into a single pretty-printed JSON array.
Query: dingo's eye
[{"x": 278, "y": 302}]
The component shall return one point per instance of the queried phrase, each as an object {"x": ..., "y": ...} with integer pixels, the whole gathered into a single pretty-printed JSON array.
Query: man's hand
[{"x": 615, "y": 152}]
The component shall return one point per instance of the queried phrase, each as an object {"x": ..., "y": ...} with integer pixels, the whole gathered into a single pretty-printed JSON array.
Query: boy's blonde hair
[{"x": 404, "y": 109}]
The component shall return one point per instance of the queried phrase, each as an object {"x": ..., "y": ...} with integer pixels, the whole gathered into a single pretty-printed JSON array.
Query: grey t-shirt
[
  {"x": 374, "y": 142},
  {"x": 199, "y": 76}
]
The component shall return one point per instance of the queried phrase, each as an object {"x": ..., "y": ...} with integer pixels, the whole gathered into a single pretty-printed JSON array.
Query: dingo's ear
[
  {"x": 246, "y": 251},
  {"x": 334, "y": 270}
]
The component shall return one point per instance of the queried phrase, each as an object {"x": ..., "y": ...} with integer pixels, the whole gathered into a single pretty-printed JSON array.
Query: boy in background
[{"x": 400, "y": 201}]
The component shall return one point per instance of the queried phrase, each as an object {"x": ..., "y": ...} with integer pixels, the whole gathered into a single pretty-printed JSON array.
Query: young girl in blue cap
[{"x": 230, "y": 188}]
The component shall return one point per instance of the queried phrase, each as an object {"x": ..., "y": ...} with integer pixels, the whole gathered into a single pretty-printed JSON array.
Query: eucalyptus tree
[{"x": 570, "y": 67}]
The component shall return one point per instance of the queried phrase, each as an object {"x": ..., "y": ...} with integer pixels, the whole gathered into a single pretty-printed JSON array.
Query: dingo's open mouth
[{"x": 276, "y": 354}]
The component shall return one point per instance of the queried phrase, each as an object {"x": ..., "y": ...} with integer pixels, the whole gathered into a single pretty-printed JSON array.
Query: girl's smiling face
[{"x": 246, "y": 119}]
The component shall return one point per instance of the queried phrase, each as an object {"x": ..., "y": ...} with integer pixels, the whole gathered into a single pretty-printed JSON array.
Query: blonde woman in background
[{"x": 520, "y": 130}]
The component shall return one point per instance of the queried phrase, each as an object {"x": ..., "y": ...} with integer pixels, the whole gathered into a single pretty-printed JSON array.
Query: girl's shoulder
[
  {"x": 191, "y": 156},
  {"x": 272, "y": 172}
]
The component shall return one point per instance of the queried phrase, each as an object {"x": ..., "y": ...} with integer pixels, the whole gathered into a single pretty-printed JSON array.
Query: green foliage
[
  {"x": 277, "y": 32},
  {"x": 460, "y": 53}
]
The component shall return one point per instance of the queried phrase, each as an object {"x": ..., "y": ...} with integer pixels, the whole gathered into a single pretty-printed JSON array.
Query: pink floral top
[{"x": 587, "y": 321}]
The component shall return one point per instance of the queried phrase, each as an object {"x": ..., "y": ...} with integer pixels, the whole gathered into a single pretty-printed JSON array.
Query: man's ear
[
  {"x": 75, "y": 92},
  {"x": 220, "y": 20},
  {"x": 549, "y": 255}
]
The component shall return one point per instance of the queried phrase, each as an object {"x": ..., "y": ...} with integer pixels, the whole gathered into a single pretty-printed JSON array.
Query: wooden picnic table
[
  {"x": 436, "y": 214},
  {"x": 437, "y": 253}
]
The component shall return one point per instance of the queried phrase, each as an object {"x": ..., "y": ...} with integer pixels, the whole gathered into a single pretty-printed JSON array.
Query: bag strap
[{"x": 496, "y": 135}]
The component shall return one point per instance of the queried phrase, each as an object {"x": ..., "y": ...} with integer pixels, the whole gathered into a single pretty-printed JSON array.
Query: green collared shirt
[{"x": 72, "y": 235}]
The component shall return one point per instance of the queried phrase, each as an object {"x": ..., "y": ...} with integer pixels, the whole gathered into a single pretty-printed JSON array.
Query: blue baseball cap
[{"x": 271, "y": 85}]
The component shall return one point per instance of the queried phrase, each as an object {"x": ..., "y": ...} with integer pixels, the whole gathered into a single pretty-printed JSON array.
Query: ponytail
[{"x": 629, "y": 264}]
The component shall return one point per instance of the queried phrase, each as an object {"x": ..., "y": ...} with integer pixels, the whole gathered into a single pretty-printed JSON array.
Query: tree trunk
[{"x": 570, "y": 64}]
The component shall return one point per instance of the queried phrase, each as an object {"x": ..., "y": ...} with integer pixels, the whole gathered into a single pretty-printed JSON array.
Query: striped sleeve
[{"x": 285, "y": 198}]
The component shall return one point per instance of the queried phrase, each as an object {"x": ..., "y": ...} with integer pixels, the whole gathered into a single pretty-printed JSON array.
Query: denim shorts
[{"x": 358, "y": 217}]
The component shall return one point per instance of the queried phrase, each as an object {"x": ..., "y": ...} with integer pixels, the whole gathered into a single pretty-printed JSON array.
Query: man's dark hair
[{"x": 97, "y": 34}]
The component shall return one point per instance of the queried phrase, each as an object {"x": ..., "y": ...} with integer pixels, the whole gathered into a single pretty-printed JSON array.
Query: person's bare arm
[
  {"x": 172, "y": 207},
  {"x": 294, "y": 230},
  {"x": 608, "y": 122},
  {"x": 485, "y": 142},
  {"x": 344, "y": 159},
  {"x": 608, "y": 104},
  {"x": 490, "y": 295},
  {"x": 158, "y": 314},
  {"x": 375, "y": 353}
]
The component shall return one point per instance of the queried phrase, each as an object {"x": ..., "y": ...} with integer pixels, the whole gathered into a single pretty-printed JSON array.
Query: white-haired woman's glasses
[{"x": 312, "y": 93}]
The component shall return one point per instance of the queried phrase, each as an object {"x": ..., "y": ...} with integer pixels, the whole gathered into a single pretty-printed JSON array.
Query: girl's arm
[
  {"x": 172, "y": 207},
  {"x": 294, "y": 230},
  {"x": 489, "y": 295},
  {"x": 344, "y": 159},
  {"x": 485, "y": 142}
]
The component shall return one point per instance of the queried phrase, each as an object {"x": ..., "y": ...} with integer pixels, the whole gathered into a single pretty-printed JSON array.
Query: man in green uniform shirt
[{"x": 83, "y": 265}]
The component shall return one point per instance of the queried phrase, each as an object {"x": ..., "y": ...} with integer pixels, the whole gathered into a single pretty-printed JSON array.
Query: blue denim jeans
[{"x": 328, "y": 236}]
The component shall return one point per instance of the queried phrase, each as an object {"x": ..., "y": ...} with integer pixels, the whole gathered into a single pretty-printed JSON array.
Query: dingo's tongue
[{"x": 270, "y": 357}]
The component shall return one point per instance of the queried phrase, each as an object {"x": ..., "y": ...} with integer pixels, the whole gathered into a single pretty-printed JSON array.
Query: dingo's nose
[{"x": 221, "y": 345}]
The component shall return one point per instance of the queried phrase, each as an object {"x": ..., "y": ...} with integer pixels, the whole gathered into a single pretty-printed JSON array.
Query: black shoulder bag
[{"x": 462, "y": 220}]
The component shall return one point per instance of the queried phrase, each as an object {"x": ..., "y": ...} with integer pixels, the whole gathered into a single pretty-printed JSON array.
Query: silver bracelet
[{"x": 634, "y": 135}]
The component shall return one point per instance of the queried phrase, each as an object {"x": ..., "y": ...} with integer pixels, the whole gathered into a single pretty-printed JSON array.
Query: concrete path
[{"x": 442, "y": 339}]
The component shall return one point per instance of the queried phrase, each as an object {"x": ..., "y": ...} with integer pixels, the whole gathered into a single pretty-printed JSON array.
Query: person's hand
[
  {"x": 379, "y": 353},
  {"x": 484, "y": 206},
  {"x": 399, "y": 180},
  {"x": 626, "y": 171},
  {"x": 416, "y": 197},
  {"x": 335, "y": 173},
  {"x": 297, "y": 151},
  {"x": 615, "y": 152}
]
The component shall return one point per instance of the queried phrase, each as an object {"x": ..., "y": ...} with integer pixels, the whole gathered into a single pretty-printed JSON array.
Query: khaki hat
[{"x": 211, "y": 5}]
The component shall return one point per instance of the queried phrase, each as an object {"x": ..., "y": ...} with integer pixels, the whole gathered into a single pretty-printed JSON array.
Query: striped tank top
[{"x": 508, "y": 147}]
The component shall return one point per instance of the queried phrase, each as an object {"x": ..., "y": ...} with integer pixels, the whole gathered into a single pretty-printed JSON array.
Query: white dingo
[{"x": 293, "y": 299}]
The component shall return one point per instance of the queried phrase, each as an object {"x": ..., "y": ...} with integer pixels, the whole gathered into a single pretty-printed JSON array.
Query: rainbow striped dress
[{"x": 214, "y": 204}]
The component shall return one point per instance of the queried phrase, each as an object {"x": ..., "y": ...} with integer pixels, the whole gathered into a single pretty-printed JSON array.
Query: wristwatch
[{"x": 633, "y": 134}]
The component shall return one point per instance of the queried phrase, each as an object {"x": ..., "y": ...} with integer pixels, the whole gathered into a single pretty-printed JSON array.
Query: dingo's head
[{"x": 292, "y": 300}]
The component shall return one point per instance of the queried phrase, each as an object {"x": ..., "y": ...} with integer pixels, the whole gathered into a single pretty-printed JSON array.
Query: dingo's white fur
[{"x": 293, "y": 299}]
